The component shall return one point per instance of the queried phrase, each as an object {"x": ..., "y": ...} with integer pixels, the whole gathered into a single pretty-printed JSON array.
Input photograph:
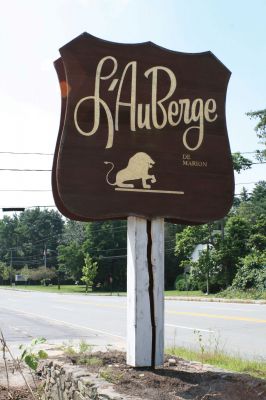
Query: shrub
[
  {"x": 183, "y": 283},
  {"x": 251, "y": 272}
]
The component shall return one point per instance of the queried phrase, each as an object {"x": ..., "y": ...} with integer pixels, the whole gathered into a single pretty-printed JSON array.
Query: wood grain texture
[{"x": 166, "y": 109}]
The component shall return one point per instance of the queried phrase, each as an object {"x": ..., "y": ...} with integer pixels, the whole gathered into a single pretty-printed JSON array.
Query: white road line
[
  {"x": 57, "y": 321},
  {"x": 192, "y": 329},
  {"x": 228, "y": 308},
  {"x": 63, "y": 308}
]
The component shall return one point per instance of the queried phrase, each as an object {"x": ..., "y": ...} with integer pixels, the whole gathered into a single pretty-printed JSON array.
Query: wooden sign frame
[{"x": 142, "y": 133}]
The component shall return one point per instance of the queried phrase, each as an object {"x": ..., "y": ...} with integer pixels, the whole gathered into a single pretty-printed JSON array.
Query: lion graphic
[{"x": 137, "y": 168}]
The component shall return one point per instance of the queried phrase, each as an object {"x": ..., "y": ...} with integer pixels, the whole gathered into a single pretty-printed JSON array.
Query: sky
[{"x": 32, "y": 31}]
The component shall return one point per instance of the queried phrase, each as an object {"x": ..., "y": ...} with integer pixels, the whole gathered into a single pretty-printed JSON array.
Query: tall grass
[{"x": 222, "y": 360}]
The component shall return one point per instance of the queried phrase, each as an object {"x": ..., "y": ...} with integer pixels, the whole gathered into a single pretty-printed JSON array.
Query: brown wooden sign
[{"x": 142, "y": 133}]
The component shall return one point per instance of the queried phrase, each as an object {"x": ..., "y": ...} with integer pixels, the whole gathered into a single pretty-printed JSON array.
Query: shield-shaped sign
[{"x": 142, "y": 133}]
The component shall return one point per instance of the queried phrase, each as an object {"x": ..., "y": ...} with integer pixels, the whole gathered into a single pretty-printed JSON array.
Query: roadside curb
[
  {"x": 177, "y": 298},
  {"x": 215, "y": 300}
]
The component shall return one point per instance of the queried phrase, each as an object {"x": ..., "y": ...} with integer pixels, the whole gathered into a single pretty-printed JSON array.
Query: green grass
[
  {"x": 192, "y": 293},
  {"x": 222, "y": 360},
  {"x": 53, "y": 288},
  {"x": 242, "y": 294},
  {"x": 80, "y": 289}
]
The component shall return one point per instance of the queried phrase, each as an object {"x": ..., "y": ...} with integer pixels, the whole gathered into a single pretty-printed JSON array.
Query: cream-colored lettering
[
  {"x": 97, "y": 103},
  {"x": 185, "y": 106},
  {"x": 132, "y": 104},
  {"x": 154, "y": 101},
  {"x": 143, "y": 121},
  {"x": 162, "y": 110},
  {"x": 173, "y": 112},
  {"x": 210, "y": 108}
]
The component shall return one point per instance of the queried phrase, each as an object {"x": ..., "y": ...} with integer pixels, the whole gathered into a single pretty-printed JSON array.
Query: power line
[
  {"x": 25, "y": 170},
  {"x": 26, "y": 153},
  {"x": 49, "y": 170},
  {"x": 51, "y": 154},
  {"x": 246, "y": 183}
]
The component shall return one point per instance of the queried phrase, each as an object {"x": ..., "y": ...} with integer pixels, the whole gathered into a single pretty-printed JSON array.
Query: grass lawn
[
  {"x": 242, "y": 294},
  {"x": 182, "y": 293},
  {"x": 222, "y": 360},
  {"x": 80, "y": 289}
]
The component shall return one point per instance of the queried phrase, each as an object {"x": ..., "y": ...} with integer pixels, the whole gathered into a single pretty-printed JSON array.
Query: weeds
[
  {"x": 213, "y": 355},
  {"x": 82, "y": 354},
  {"x": 16, "y": 365},
  {"x": 201, "y": 343},
  {"x": 32, "y": 357},
  {"x": 111, "y": 376}
]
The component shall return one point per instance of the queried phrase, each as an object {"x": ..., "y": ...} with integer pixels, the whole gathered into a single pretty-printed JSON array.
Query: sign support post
[{"x": 145, "y": 292}]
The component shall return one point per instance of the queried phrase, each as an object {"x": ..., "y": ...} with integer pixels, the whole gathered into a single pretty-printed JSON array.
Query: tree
[
  {"x": 106, "y": 242},
  {"x": 260, "y": 129},
  {"x": 170, "y": 258},
  {"x": 24, "y": 238},
  {"x": 8, "y": 237},
  {"x": 205, "y": 270},
  {"x": 240, "y": 163},
  {"x": 89, "y": 271},
  {"x": 230, "y": 247},
  {"x": 71, "y": 260},
  {"x": 251, "y": 272},
  {"x": 4, "y": 271},
  {"x": 25, "y": 272},
  {"x": 255, "y": 205},
  {"x": 37, "y": 231},
  {"x": 42, "y": 274},
  {"x": 187, "y": 240},
  {"x": 74, "y": 231},
  {"x": 257, "y": 238}
]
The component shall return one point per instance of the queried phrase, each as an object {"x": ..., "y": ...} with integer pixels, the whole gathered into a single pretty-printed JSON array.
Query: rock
[{"x": 172, "y": 362}]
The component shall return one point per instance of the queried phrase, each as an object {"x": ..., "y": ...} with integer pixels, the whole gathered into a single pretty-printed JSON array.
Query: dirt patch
[
  {"x": 184, "y": 380},
  {"x": 14, "y": 394}
]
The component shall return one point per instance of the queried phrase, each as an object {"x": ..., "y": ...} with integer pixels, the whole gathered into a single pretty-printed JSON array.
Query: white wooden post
[{"x": 145, "y": 292}]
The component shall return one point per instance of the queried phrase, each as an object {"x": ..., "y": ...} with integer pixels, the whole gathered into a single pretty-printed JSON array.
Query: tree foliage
[
  {"x": 106, "y": 242},
  {"x": 89, "y": 271},
  {"x": 71, "y": 260},
  {"x": 4, "y": 271},
  {"x": 260, "y": 129},
  {"x": 233, "y": 247},
  {"x": 24, "y": 237},
  {"x": 251, "y": 272},
  {"x": 240, "y": 163}
]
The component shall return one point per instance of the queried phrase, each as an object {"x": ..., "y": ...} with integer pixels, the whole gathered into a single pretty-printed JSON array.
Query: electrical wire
[
  {"x": 25, "y": 170},
  {"x": 26, "y": 153},
  {"x": 51, "y": 154}
]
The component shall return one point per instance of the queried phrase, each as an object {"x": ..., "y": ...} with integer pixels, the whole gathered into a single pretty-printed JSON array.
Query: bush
[
  {"x": 251, "y": 272},
  {"x": 182, "y": 283},
  {"x": 42, "y": 274}
]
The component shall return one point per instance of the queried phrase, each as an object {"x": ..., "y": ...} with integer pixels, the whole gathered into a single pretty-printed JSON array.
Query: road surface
[{"x": 101, "y": 320}]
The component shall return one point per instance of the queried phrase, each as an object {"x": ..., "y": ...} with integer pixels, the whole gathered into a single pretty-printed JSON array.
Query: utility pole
[
  {"x": 11, "y": 266},
  {"x": 45, "y": 262},
  {"x": 45, "y": 256}
]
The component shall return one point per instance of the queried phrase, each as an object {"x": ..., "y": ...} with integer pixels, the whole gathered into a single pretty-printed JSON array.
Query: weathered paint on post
[
  {"x": 145, "y": 312},
  {"x": 157, "y": 256}
]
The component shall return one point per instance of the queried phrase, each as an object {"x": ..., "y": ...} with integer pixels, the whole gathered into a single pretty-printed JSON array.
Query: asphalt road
[{"x": 101, "y": 320}]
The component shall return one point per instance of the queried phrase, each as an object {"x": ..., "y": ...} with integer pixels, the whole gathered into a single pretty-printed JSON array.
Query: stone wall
[{"x": 68, "y": 382}]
